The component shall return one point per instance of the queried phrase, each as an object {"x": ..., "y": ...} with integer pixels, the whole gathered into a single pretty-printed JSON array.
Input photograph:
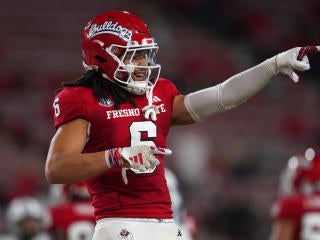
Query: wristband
[{"x": 113, "y": 158}]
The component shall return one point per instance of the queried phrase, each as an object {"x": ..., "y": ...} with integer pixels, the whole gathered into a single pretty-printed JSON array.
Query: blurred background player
[
  {"x": 72, "y": 212},
  {"x": 296, "y": 214},
  {"x": 27, "y": 219},
  {"x": 185, "y": 220}
]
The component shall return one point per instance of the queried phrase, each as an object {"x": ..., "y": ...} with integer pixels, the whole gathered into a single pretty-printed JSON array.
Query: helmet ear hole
[{"x": 100, "y": 59}]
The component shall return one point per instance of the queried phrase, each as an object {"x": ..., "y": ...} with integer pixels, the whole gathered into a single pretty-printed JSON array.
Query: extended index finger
[{"x": 159, "y": 150}]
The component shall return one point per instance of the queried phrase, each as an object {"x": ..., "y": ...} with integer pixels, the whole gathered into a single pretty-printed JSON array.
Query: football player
[
  {"x": 112, "y": 123},
  {"x": 72, "y": 216},
  {"x": 296, "y": 214},
  {"x": 27, "y": 219}
]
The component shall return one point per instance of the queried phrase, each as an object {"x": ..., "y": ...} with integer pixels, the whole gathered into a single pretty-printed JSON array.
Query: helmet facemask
[{"x": 127, "y": 73}]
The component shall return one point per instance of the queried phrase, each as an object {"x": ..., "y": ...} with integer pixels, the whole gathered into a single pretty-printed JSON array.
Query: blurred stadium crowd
[{"x": 229, "y": 165}]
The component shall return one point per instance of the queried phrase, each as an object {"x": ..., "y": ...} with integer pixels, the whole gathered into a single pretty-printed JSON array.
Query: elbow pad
[{"x": 205, "y": 103}]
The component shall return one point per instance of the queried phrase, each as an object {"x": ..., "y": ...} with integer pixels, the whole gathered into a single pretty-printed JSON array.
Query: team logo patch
[
  {"x": 125, "y": 235},
  {"x": 110, "y": 28},
  {"x": 107, "y": 102}
]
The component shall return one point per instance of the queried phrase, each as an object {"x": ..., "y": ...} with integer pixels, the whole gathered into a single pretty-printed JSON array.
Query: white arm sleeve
[{"x": 230, "y": 93}]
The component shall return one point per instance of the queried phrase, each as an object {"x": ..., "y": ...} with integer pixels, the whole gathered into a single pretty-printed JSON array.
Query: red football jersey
[
  {"x": 303, "y": 211},
  {"x": 146, "y": 195},
  {"x": 72, "y": 220}
]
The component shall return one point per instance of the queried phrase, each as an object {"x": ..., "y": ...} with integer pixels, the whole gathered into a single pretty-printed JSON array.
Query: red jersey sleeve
[
  {"x": 69, "y": 104},
  {"x": 169, "y": 87}
]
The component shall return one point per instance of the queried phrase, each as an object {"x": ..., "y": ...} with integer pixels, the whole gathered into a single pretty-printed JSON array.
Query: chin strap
[{"x": 150, "y": 110}]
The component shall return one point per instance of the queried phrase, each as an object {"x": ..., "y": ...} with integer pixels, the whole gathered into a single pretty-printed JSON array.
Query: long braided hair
[{"x": 102, "y": 88}]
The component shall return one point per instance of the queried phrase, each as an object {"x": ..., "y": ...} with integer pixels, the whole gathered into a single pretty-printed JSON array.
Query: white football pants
[{"x": 136, "y": 229}]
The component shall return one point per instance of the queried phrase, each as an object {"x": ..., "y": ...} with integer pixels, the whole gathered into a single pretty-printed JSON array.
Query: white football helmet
[{"x": 23, "y": 209}]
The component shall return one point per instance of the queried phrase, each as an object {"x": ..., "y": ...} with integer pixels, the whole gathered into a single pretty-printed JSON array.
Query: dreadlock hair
[{"x": 102, "y": 88}]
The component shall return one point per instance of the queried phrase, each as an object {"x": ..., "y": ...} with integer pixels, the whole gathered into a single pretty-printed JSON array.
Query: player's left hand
[
  {"x": 295, "y": 59},
  {"x": 147, "y": 154}
]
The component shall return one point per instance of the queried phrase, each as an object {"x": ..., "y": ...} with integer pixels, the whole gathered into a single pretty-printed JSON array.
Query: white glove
[
  {"x": 139, "y": 158},
  {"x": 295, "y": 59}
]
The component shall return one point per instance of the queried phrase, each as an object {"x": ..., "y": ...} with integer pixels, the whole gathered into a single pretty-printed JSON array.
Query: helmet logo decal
[{"x": 111, "y": 28}]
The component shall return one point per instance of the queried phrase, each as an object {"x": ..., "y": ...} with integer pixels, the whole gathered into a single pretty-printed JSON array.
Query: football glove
[
  {"x": 139, "y": 158},
  {"x": 295, "y": 59}
]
